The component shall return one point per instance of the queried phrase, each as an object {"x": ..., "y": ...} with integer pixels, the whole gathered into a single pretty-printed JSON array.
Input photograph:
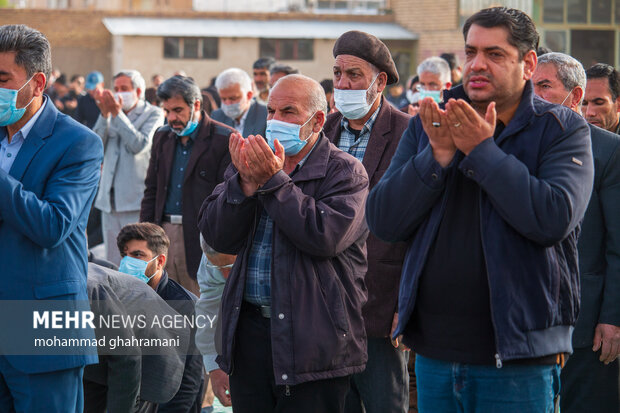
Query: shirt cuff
[{"x": 209, "y": 361}]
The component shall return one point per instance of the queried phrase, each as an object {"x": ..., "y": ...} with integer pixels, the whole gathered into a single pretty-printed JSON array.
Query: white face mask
[
  {"x": 569, "y": 93},
  {"x": 233, "y": 110},
  {"x": 129, "y": 99},
  {"x": 353, "y": 104}
]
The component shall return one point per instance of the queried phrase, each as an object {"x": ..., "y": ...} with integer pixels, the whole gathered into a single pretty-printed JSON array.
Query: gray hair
[
  {"x": 436, "y": 65},
  {"x": 234, "y": 76},
  {"x": 570, "y": 71},
  {"x": 137, "y": 81},
  {"x": 31, "y": 47},
  {"x": 182, "y": 86},
  {"x": 316, "y": 94}
]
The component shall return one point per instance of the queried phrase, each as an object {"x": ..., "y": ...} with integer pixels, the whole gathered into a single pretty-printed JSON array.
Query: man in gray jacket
[
  {"x": 239, "y": 110},
  {"x": 126, "y": 126}
]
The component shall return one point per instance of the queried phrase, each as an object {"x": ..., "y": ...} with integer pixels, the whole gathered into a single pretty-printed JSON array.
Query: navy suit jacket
[
  {"x": 599, "y": 243},
  {"x": 255, "y": 123},
  {"x": 46, "y": 199}
]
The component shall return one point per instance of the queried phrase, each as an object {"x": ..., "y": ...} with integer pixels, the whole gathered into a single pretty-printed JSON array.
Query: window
[
  {"x": 592, "y": 46},
  {"x": 556, "y": 40},
  {"x": 190, "y": 47},
  {"x": 553, "y": 11},
  {"x": 287, "y": 49},
  {"x": 577, "y": 11},
  {"x": 601, "y": 11}
]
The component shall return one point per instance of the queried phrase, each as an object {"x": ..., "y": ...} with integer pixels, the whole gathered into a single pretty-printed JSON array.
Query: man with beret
[{"x": 369, "y": 128}]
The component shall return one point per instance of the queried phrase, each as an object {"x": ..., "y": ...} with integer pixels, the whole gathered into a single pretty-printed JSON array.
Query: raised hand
[
  {"x": 467, "y": 127},
  {"x": 435, "y": 124}
]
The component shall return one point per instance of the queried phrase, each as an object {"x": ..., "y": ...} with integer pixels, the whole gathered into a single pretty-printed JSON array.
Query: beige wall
[
  {"x": 436, "y": 22},
  {"x": 145, "y": 54}
]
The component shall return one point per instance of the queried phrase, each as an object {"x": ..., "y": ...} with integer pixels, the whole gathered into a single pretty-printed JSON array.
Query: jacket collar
[
  {"x": 315, "y": 166},
  {"x": 41, "y": 130},
  {"x": 163, "y": 282},
  {"x": 379, "y": 135},
  {"x": 522, "y": 117}
]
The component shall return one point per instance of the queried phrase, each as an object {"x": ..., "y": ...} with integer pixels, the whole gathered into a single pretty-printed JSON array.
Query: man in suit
[
  {"x": 370, "y": 130},
  {"x": 126, "y": 126},
  {"x": 188, "y": 159},
  {"x": 132, "y": 379},
  {"x": 49, "y": 169},
  {"x": 601, "y": 103},
  {"x": 590, "y": 377},
  {"x": 239, "y": 110}
]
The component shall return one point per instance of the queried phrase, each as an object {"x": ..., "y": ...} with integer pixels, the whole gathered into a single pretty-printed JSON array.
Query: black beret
[{"x": 367, "y": 47}]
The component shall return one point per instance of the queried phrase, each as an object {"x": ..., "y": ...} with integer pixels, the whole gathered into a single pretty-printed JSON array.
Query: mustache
[{"x": 486, "y": 75}]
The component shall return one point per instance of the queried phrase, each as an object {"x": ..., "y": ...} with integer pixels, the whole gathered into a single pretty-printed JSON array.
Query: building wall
[
  {"x": 80, "y": 42},
  {"x": 436, "y": 22},
  {"x": 145, "y": 54}
]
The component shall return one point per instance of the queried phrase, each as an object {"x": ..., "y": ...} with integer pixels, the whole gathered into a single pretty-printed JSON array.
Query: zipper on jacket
[
  {"x": 498, "y": 359},
  {"x": 287, "y": 391}
]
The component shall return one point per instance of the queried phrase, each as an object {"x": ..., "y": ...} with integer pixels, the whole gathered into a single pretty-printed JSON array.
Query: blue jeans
[{"x": 445, "y": 387}]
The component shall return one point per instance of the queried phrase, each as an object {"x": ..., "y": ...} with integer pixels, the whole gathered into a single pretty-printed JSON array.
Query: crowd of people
[{"x": 364, "y": 244}]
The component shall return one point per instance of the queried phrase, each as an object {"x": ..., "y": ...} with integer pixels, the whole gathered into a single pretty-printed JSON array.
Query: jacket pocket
[
  {"x": 57, "y": 289},
  {"x": 331, "y": 289}
]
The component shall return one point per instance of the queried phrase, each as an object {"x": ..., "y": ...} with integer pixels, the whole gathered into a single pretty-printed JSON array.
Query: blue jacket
[
  {"x": 535, "y": 181},
  {"x": 46, "y": 199}
]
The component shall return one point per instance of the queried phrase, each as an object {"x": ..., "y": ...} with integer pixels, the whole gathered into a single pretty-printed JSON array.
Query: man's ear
[
  {"x": 40, "y": 81},
  {"x": 381, "y": 81},
  {"x": 161, "y": 261},
  {"x": 530, "y": 60},
  {"x": 575, "y": 98}
]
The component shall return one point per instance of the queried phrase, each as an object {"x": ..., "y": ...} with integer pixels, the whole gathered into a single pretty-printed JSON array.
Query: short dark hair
[
  {"x": 282, "y": 68},
  {"x": 156, "y": 239},
  {"x": 522, "y": 32},
  {"x": 451, "y": 58},
  {"x": 31, "y": 47},
  {"x": 182, "y": 86},
  {"x": 602, "y": 70},
  {"x": 264, "y": 63},
  {"x": 543, "y": 50},
  {"x": 328, "y": 85}
]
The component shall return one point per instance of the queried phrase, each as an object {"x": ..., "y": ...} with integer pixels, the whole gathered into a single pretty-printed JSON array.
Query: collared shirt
[
  {"x": 258, "y": 277},
  {"x": 182, "y": 153},
  {"x": 9, "y": 151},
  {"x": 355, "y": 143},
  {"x": 239, "y": 125}
]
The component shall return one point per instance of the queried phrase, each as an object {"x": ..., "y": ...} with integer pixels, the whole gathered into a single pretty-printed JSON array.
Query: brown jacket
[
  {"x": 205, "y": 169},
  {"x": 384, "y": 260}
]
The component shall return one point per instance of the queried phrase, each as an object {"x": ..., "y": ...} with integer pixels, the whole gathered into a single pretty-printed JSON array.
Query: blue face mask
[
  {"x": 9, "y": 114},
  {"x": 435, "y": 94},
  {"x": 190, "y": 127},
  {"x": 137, "y": 268},
  {"x": 287, "y": 134}
]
